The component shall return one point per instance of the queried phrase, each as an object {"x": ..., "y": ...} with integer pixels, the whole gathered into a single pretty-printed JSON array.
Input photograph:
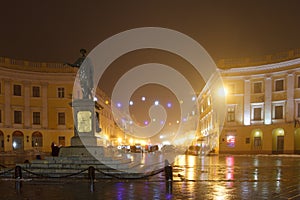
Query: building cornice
[{"x": 281, "y": 66}]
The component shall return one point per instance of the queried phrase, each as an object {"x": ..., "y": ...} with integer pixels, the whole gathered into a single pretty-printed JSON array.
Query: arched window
[
  {"x": 18, "y": 141},
  {"x": 37, "y": 139}
]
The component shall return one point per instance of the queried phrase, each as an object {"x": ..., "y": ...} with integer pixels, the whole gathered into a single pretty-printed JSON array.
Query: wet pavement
[{"x": 209, "y": 177}]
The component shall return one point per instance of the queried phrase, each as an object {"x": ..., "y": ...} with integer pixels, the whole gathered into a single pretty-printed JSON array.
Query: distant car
[
  {"x": 168, "y": 148},
  {"x": 135, "y": 149},
  {"x": 194, "y": 150},
  {"x": 153, "y": 148}
]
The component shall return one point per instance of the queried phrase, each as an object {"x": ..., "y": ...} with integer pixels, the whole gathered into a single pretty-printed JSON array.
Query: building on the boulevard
[
  {"x": 35, "y": 107},
  {"x": 261, "y": 114},
  {"x": 262, "y": 107}
]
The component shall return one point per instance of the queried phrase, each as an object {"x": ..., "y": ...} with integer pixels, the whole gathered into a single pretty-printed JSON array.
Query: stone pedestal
[
  {"x": 84, "y": 124},
  {"x": 84, "y": 130}
]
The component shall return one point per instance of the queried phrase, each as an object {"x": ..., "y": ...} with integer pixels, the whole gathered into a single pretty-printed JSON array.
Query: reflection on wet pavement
[{"x": 207, "y": 177}]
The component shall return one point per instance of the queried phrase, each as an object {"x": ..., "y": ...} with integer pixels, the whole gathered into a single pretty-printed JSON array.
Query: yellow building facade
[
  {"x": 35, "y": 106},
  {"x": 262, "y": 107}
]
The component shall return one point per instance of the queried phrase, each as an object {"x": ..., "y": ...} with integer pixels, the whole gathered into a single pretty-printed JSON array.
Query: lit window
[
  {"x": 257, "y": 87},
  {"x": 61, "y": 118},
  {"x": 60, "y": 92},
  {"x": 230, "y": 140},
  {"x": 17, "y": 90},
  {"x": 37, "y": 139},
  {"x": 230, "y": 114},
  {"x": 279, "y": 85},
  {"x": 36, "y": 91},
  {"x": 257, "y": 142}
]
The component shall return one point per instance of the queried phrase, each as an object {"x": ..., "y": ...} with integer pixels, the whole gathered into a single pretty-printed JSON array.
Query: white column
[
  {"x": 290, "y": 98},
  {"x": 268, "y": 100},
  {"x": 247, "y": 93},
  {"x": 7, "y": 104},
  {"x": 27, "y": 104},
  {"x": 44, "y": 105}
]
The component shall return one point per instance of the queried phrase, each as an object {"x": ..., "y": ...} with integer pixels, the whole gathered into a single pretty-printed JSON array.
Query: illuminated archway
[
  {"x": 278, "y": 140},
  {"x": 256, "y": 139},
  {"x": 297, "y": 141},
  {"x": 37, "y": 139},
  {"x": 18, "y": 141}
]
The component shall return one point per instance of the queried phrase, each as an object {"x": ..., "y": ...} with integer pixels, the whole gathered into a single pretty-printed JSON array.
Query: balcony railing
[
  {"x": 260, "y": 60},
  {"x": 35, "y": 66}
]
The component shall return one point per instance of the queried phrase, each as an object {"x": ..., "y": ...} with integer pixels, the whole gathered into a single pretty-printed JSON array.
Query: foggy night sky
[{"x": 54, "y": 31}]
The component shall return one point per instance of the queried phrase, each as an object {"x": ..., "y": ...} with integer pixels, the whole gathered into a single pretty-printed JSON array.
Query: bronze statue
[{"x": 86, "y": 72}]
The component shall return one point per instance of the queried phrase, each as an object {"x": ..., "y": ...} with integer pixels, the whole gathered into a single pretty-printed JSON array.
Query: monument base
[
  {"x": 86, "y": 141},
  {"x": 82, "y": 145},
  {"x": 81, "y": 151}
]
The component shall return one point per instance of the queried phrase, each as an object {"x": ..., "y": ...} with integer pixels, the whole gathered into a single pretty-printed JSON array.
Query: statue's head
[{"x": 83, "y": 52}]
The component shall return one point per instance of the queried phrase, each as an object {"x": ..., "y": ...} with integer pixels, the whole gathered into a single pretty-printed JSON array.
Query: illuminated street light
[
  {"x": 119, "y": 105},
  {"x": 222, "y": 92}
]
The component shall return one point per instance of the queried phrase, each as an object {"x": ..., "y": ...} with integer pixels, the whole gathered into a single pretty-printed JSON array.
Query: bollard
[
  {"x": 18, "y": 176},
  {"x": 18, "y": 172},
  {"x": 18, "y": 186},
  {"x": 169, "y": 177},
  {"x": 169, "y": 173},
  {"x": 91, "y": 176}
]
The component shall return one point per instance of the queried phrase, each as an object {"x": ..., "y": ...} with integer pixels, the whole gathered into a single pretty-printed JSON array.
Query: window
[
  {"x": 61, "y": 118},
  {"x": 17, "y": 117},
  {"x": 36, "y": 91},
  {"x": 230, "y": 114},
  {"x": 247, "y": 141},
  {"x": 257, "y": 142},
  {"x": 257, "y": 114},
  {"x": 298, "y": 81},
  {"x": 36, "y": 118},
  {"x": 61, "y": 92},
  {"x": 279, "y": 85},
  {"x": 298, "y": 113},
  {"x": 61, "y": 140},
  {"x": 37, "y": 139},
  {"x": 17, "y": 90},
  {"x": 278, "y": 112},
  {"x": 0, "y": 116},
  {"x": 257, "y": 87},
  {"x": 230, "y": 140},
  {"x": 0, "y": 88}
]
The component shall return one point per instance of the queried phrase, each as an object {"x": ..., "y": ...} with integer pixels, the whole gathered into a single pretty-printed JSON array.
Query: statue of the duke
[{"x": 86, "y": 73}]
